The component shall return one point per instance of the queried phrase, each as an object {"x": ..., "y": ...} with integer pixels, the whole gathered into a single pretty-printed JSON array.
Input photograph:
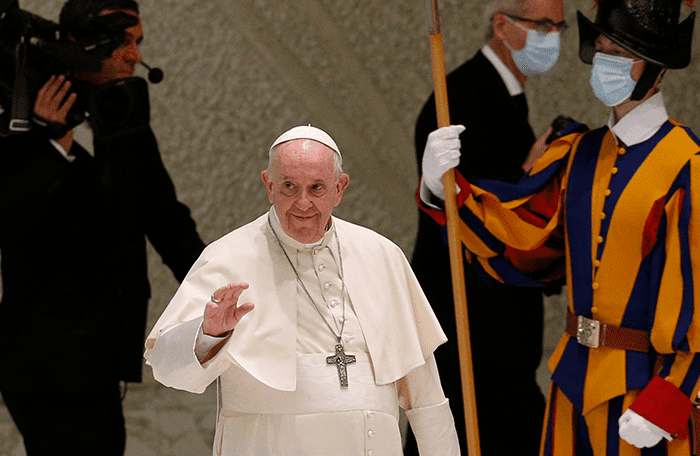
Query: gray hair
[
  {"x": 514, "y": 7},
  {"x": 337, "y": 159}
]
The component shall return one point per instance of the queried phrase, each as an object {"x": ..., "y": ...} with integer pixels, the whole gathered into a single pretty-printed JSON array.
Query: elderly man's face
[
  {"x": 534, "y": 11},
  {"x": 304, "y": 188}
]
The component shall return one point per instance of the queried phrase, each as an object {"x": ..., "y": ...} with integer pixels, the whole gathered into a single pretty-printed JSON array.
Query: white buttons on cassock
[{"x": 369, "y": 414}]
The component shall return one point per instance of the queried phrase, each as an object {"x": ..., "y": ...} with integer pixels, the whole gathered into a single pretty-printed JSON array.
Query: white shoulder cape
[{"x": 397, "y": 321}]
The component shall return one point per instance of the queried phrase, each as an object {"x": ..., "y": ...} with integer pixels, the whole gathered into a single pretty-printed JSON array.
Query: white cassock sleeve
[
  {"x": 428, "y": 411},
  {"x": 175, "y": 363}
]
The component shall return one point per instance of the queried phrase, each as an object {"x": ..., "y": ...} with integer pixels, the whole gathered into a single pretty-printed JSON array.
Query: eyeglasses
[{"x": 541, "y": 25}]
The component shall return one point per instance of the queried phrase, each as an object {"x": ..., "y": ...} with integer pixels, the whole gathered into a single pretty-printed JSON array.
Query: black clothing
[
  {"x": 74, "y": 267},
  {"x": 85, "y": 423}
]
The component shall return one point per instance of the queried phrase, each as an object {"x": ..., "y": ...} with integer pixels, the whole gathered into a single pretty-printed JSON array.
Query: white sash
[{"x": 318, "y": 390}]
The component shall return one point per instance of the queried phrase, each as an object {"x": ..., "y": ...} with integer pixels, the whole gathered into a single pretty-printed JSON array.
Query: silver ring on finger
[{"x": 213, "y": 298}]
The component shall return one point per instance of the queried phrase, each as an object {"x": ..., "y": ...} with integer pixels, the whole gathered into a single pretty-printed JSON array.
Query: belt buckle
[{"x": 588, "y": 332}]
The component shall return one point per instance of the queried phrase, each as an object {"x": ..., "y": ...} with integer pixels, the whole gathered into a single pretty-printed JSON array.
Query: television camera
[{"x": 32, "y": 49}]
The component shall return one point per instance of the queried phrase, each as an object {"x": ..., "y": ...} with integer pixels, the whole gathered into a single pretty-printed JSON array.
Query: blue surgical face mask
[
  {"x": 611, "y": 78},
  {"x": 540, "y": 53}
]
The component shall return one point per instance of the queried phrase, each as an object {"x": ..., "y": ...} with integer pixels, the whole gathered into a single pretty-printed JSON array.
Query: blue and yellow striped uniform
[{"x": 619, "y": 222}]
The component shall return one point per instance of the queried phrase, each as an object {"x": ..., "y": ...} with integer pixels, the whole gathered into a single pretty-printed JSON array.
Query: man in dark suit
[
  {"x": 486, "y": 95},
  {"x": 75, "y": 213}
]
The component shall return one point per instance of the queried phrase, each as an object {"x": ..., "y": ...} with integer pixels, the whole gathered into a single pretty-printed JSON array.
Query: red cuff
[
  {"x": 662, "y": 403},
  {"x": 464, "y": 187},
  {"x": 436, "y": 214},
  {"x": 439, "y": 214}
]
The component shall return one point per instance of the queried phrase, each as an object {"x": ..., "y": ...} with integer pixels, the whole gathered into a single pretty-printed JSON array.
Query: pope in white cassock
[{"x": 333, "y": 333}]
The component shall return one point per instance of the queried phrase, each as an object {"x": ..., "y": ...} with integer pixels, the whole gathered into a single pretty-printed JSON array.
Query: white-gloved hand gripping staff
[{"x": 442, "y": 153}]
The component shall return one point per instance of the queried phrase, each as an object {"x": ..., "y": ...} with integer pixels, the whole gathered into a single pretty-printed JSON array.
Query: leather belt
[{"x": 594, "y": 334}]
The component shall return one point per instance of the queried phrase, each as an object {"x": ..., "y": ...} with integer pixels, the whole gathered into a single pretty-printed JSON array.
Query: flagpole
[{"x": 455, "y": 246}]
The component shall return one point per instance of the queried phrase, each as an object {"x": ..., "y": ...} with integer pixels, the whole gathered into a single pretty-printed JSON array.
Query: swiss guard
[{"x": 615, "y": 209}]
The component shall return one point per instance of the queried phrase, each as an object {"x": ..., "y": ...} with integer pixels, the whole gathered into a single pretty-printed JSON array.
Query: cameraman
[{"x": 75, "y": 213}]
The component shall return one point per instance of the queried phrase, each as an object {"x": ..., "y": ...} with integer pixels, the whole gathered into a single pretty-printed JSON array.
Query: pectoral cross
[{"x": 341, "y": 360}]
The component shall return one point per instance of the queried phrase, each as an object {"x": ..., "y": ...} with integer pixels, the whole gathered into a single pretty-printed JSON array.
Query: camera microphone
[{"x": 155, "y": 75}]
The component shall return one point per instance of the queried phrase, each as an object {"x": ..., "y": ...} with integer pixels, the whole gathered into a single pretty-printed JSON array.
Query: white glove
[
  {"x": 640, "y": 432},
  {"x": 441, "y": 154}
]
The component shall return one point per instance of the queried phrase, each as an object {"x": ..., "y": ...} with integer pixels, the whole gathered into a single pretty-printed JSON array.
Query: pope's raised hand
[
  {"x": 442, "y": 153},
  {"x": 222, "y": 316}
]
